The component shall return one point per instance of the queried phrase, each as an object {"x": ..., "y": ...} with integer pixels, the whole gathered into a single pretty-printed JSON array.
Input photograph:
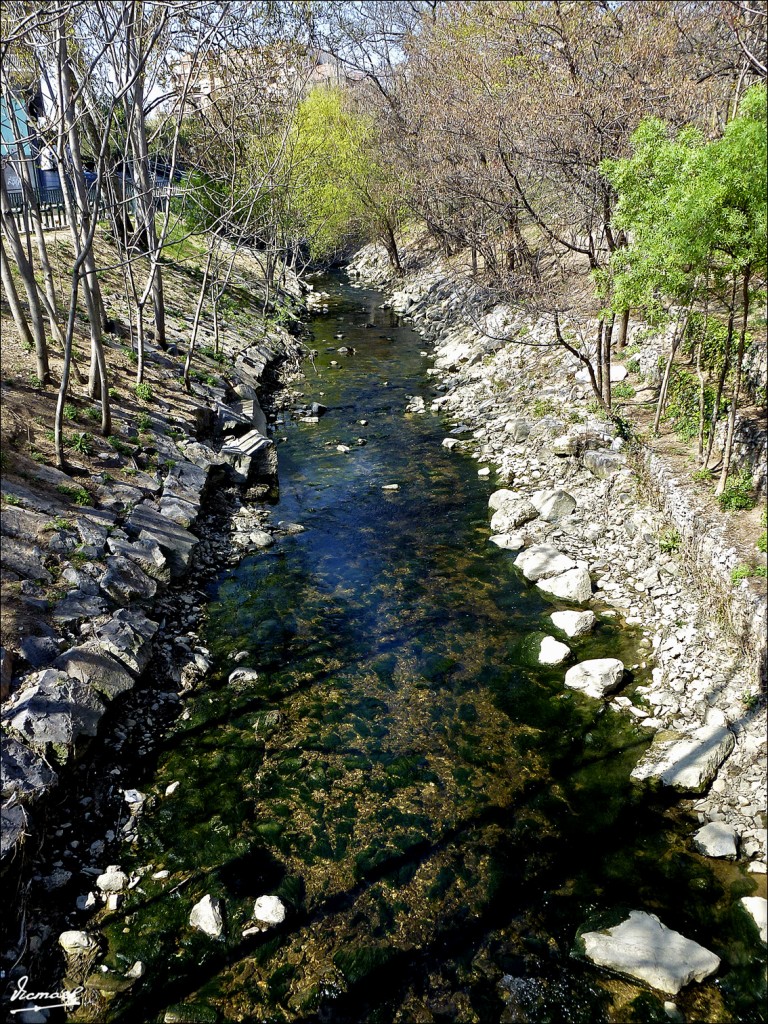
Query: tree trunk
[
  {"x": 599, "y": 359},
  {"x": 607, "y": 360},
  {"x": 27, "y": 275},
  {"x": 722, "y": 377},
  {"x": 621, "y": 341},
  {"x": 196, "y": 323},
  {"x": 13, "y": 301},
  {"x": 83, "y": 242},
  {"x": 662, "y": 399},
  {"x": 728, "y": 449},
  {"x": 58, "y": 419}
]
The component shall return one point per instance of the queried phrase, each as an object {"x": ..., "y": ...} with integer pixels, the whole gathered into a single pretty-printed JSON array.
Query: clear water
[{"x": 438, "y": 815}]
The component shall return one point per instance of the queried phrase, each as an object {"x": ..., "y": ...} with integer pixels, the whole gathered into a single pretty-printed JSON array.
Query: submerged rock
[{"x": 643, "y": 948}]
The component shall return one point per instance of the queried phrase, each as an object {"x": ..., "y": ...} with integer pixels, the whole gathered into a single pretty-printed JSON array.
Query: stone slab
[
  {"x": 89, "y": 664},
  {"x": 176, "y": 543},
  {"x": 643, "y": 948},
  {"x": 24, "y": 774},
  {"x": 127, "y": 636},
  {"x": 686, "y": 762},
  {"x": 53, "y": 710}
]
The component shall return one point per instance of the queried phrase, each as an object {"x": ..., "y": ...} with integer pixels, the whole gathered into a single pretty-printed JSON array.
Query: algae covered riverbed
[{"x": 438, "y": 815}]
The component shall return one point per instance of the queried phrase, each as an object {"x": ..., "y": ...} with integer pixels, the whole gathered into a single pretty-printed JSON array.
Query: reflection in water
[{"x": 438, "y": 815}]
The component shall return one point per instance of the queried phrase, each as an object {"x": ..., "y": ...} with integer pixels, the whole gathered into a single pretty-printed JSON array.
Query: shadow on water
[{"x": 437, "y": 814}]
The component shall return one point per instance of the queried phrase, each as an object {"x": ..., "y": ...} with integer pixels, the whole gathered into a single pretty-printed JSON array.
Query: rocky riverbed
[{"x": 571, "y": 481}]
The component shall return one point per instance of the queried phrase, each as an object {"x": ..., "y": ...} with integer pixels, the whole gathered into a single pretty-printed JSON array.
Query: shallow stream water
[{"x": 438, "y": 815}]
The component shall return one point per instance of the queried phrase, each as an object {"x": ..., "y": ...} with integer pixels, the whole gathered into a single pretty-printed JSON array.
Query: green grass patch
[{"x": 739, "y": 494}]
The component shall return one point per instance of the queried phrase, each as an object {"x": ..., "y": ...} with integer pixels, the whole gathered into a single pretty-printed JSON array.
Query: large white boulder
[
  {"x": 207, "y": 917},
  {"x": 501, "y": 497},
  {"x": 717, "y": 839},
  {"x": 113, "y": 880},
  {"x": 595, "y": 677},
  {"x": 542, "y": 560},
  {"x": 269, "y": 910},
  {"x": 553, "y": 505},
  {"x": 552, "y": 652},
  {"x": 512, "y": 514},
  {"x": 642, "y": 947},
  {"x": 686, "y": 762},
  {"x": 573, "y": 624},
  {"x": 574, "y": 585},
  {"x": 757, "y": 908}
]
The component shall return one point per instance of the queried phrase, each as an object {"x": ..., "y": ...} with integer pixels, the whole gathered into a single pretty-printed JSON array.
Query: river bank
[
  {"x": 104, "y": 566},
  {"x": 522, "y": 413}
]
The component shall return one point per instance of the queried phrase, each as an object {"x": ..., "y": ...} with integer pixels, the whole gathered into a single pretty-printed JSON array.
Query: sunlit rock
[
  {"x": 595, "y": 677},
  {"x": 643, "y": 948},
  {"x": 207, "y": 917},
  {"x": 574, "y": 585},
  {"x": 757, "y": 908},
  {"x": 269, "y": 910},
  {"x": 552, "y": 652},
  {"x": 717, "y": 839},
  {"x": 573, "y": 624},
  {"x": 542, "y": 560}
]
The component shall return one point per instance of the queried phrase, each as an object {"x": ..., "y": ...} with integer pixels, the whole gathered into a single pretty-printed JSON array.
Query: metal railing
[{"x": 53, "y": 212}]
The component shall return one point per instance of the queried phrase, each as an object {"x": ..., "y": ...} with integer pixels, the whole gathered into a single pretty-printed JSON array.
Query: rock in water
[
  {"x": 595, "y": 677},
  {"x": 269, "y": 910},
  {"x": 552, "y": 652},
  {"x": 644, "y": 948},
  {"x": 573, "y": 624},
  {"x": 541, "y": 561},
  {"x": 757, "y": 908},
  {"x": 686, "y": 762},
  {"x": 574, "y": 585},
  {"x": 207, "y": 917},
  {"x": 716, "y": 840}
]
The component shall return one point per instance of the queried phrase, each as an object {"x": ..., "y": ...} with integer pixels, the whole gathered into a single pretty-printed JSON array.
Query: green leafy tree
[
  {"x": 339, "y": 183},
  {"x": 695, "y": 212}
]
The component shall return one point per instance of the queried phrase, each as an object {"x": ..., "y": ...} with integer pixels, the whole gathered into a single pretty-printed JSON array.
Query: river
[{"x": 438, "y": 815}]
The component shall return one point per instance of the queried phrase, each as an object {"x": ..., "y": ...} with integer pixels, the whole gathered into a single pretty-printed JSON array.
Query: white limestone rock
[
  {"x": 541, "y": 561},
  {"x": 75, "y": 942},
  {"x": 512, "y": 514},
  {"x": 207, "y": 917},
  {"x": 552, "y": 652},
  {"x": 574, "y": 585},
  {"x": 573, "y": 624},
  {"x": 269, "y": 910},
  {"x": 686, "y": 762},
  {"x": 595, "y": 677},
  {"x": 554, "y": 505},
  {"x": 643, "y": 948},
  {"x": 113, "y": 880},
  {"x": 500, "y": 498},
  {"x": 717, "y": 839},
  {"x": 508, "y": 541},
  {"x": 757, "y": 908}
]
